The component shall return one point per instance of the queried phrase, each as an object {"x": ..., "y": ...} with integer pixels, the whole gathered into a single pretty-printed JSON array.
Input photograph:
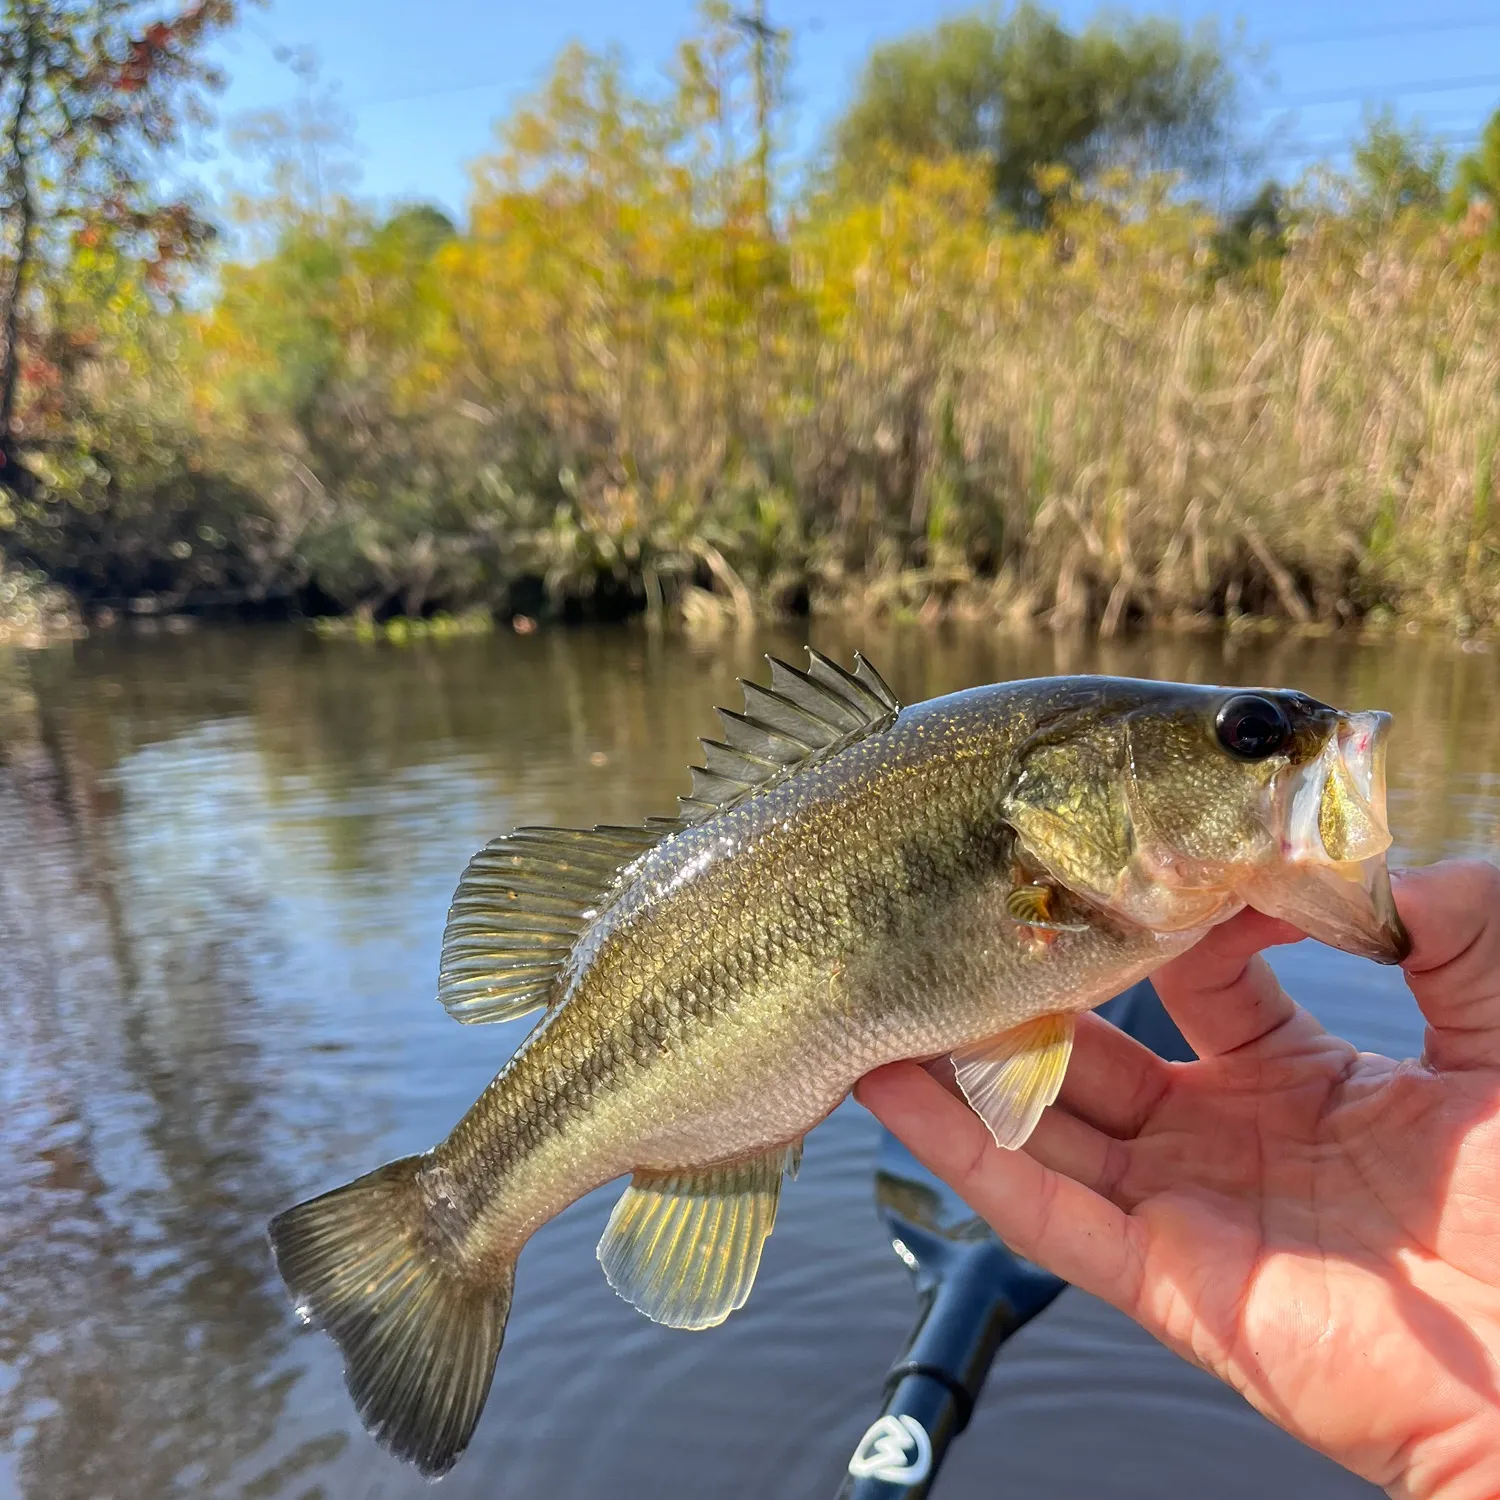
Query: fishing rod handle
[
  {"x": 902, "y": 1450},
  {"x": 984, "y": 1296}
]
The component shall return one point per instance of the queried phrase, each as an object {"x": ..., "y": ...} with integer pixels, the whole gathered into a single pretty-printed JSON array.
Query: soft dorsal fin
[
  {"x": 519, "y": 908},
  {"x": 800, "y": 717}
]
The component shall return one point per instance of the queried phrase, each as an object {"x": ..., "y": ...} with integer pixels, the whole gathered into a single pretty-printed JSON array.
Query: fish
[{"x": 850, "y": 882}]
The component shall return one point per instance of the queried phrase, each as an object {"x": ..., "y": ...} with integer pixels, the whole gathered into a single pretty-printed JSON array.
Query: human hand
[{"x": 1317, "y": 1226}]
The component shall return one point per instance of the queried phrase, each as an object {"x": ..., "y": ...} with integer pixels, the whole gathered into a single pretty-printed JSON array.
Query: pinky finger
[{"x": 1039, "y": 1213}]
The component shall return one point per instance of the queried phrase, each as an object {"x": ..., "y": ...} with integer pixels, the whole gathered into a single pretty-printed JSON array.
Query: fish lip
[
  {"x": 1349, "y": 907},
  {"x": 1392, "y": 930},
  {"x": 1362, "y": 741},
  {"x": 1400, "y": 944}
]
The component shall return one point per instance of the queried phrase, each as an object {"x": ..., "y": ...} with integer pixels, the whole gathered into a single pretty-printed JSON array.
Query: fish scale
[{"x": 849, "y": 883}]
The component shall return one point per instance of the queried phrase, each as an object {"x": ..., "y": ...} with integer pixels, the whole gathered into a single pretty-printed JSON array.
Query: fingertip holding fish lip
[
  {"x": 1392, "y": 951},
  {"x": 1401, "y": 942}
]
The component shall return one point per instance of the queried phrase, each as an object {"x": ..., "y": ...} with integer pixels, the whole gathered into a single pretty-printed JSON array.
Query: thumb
[{"x": 1452, "y": 911}]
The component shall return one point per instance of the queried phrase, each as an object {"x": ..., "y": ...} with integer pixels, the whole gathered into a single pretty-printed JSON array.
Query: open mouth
[
  {"x": 1332, "y": 880},
  {"x": 1336, "y": 812}
]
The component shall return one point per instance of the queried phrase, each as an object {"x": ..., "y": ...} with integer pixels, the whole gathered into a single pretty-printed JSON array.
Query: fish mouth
[
  {"x": 1332, "y": 879},
  {"x": 1335, "y": 804}
]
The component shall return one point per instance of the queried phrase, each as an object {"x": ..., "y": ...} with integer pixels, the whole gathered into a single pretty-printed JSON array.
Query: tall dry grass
[
  {"x": 616, "y": 391},
  {"x": 913, "y": 409}
]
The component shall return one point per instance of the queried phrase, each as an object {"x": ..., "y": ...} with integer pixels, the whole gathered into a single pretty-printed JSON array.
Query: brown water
[{"x": 225, "y": 860}]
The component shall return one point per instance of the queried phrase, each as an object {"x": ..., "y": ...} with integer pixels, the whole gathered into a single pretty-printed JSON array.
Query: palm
[
  {"x": 1319, "y": 1227},
  {"x": 1284, "y": 1200}
]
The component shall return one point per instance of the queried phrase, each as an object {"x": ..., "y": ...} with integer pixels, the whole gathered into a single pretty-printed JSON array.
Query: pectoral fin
[
  {"x": 684, "y": 1247},
  {"x": 1010, "y": 1079},
  {"x": 1035, "y": 906}
]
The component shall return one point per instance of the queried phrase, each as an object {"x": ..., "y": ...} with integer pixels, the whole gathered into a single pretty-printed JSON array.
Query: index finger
[
  {"x": 1040, "y": 1213},
  {"x": 1222, "y": 993}
]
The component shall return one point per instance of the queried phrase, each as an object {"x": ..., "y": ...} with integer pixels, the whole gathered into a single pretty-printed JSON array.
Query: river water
[{"x": 225, "y": 859}]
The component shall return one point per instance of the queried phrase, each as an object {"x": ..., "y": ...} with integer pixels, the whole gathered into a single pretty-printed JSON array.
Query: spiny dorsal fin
[
  {"x": 524, "y": 899},
  {"x": 519, "y": 908},
  {"x": 801, "y": 717}
]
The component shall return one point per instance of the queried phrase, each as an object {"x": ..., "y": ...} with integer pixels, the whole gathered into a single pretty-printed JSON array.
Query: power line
[
  {"x": 1383, "y": 90},
  {"x": 1336, "y": 143},
  {"x": 1474, "y": 21},
  {"x": 379, "y": 101},
  {"x": 1478, "y": 21},
  {"x": 1353, "y": 94}
]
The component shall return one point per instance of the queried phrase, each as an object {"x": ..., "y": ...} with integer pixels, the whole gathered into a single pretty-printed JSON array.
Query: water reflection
[
  {"x": 141, "y": 1135},
  {"x": 224, "y": 864}
]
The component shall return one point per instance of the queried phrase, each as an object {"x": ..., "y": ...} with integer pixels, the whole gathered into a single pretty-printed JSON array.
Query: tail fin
[{"x": 419, "y": 1340}]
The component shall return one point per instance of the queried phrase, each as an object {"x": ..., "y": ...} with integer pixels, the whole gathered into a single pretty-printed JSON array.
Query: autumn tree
[
  {"x": 94, "y": 95},
  {"x": 1026, "y": 92}
]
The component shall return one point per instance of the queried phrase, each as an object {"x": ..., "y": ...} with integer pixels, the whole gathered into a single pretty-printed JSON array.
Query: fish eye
[{"x": 1251, "y": 727}]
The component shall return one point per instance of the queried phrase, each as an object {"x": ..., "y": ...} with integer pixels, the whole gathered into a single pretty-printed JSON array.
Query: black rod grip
[{"x": 984, "y": 1296}]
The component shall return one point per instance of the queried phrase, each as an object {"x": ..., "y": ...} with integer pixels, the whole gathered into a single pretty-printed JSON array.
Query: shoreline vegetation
[{"x": 635, "y": 383}]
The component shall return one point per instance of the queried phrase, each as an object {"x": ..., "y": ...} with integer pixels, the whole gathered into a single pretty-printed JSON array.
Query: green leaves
[
  {"x": 1475, "y": 197},
  {"x": 1026, "y": 93}
]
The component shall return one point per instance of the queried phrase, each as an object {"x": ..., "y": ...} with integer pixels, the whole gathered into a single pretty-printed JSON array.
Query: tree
[
  {"x": 1397, "y": 170},
  {"x": 302, "y": 158},
  {"x": 1477, "y": 181},
  {"x": 1029, "y": 93},
  {"x": 1251, "y": 234},
  {"x": 93, "y": 94}
]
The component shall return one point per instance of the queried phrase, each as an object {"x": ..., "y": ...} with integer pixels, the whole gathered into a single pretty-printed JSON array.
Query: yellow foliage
[{"x": 621, "y": 377}]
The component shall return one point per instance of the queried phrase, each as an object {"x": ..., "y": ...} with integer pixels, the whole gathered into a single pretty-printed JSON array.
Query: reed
[{"x": 608, "y": 395}]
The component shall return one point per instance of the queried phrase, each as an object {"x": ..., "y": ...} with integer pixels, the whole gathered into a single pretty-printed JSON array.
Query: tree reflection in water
[{"x": 224, "y": 864}]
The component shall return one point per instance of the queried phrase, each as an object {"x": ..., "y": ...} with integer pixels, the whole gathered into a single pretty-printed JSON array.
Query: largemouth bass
[{"x": 850, "y": 883}]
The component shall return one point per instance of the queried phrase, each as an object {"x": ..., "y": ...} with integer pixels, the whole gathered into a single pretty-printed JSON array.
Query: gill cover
[{"x": 1133, "y": 811}]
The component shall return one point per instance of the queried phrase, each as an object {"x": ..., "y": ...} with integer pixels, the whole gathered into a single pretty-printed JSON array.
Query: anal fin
[
  {"x": 684, "y": 1247},
  {"x": 1010, "y": 1079}
]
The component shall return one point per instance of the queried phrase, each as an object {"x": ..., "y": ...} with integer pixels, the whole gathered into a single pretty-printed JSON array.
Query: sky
[{"x": 423, "y": 85}]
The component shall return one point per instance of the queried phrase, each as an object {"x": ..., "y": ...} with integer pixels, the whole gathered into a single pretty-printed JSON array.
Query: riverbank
[
  {"x": 902, "y": 409},
  {"x": 34, "y": 613},
  {"x": 721, "y": 624}
]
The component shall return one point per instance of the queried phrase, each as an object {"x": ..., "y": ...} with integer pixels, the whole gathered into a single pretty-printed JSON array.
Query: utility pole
[{"x": 762, "y": 35}]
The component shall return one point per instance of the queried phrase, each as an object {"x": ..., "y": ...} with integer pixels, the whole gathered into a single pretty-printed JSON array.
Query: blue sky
[{"x": 424, "y": 85}]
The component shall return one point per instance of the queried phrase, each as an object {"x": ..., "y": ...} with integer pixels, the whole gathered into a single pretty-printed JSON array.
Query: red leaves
[
  {"x": 164, "y": 41},
  {"x": 145, "y": 53}
]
